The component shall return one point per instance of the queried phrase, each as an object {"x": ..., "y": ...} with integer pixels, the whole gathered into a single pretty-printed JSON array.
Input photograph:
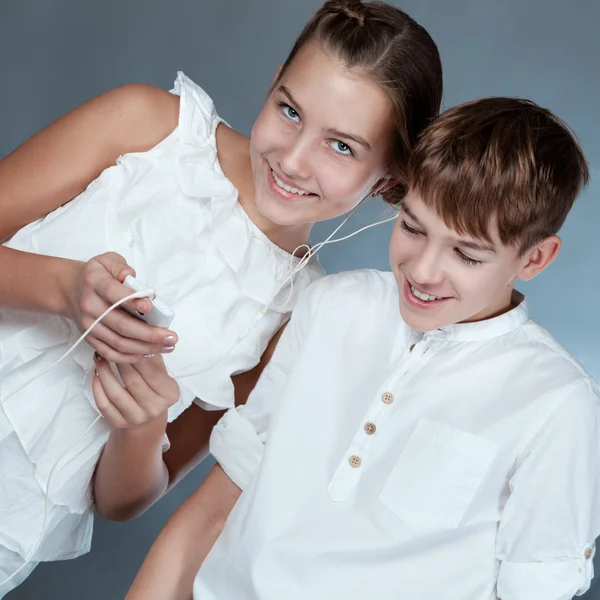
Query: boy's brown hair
[{"x": 502, "y": 162}]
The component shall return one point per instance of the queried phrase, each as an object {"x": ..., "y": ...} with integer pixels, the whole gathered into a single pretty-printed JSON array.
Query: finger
[
  {"x": 133, "y": 328},
  {"x": 134, "y": 382},
  {"x": 117, "y": 394},
  {"x": 126, "y": 326},
  {"x": 93, "y": 304},
  {"x": 109, "y": 353},
  {"x": 111, "y": 290},
  {"x": 118, "y": 269},
  {"x": 127, "y": 346},
  {"x": 151, "y": 403},
  {"x": 154, "y": 373},
  {"x": 107, "y": 409},
  {"x": 116, "y": 265}
]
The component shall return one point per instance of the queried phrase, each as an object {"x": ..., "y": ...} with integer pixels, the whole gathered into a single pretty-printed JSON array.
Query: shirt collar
[{"x": 489, "y": 328}]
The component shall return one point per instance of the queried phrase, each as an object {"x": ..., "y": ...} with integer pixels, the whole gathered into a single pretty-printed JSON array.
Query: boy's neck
[{"x": 504, "y": 304}]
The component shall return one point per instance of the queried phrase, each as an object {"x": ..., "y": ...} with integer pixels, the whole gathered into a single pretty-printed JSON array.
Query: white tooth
[
  {"x": 422, "y": 296},
  {"x": 287, "y": 188}
]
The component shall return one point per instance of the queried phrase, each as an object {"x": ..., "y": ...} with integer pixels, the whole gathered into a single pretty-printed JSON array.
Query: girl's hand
[
  {"x": 119, "y": 337},
  {"x": 148, "y": 393}
]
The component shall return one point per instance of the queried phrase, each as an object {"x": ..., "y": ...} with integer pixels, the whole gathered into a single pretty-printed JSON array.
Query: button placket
[
  {"x": 422, "y": 352},
  {"x": 352, "y": 465},
  {"x": 390, "y": 394},
  {"x": 349, "y": 472}
]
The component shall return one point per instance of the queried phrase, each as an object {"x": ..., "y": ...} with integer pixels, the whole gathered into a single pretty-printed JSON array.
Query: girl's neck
[
  {"x": 233, "y": 152},
  {"x": 287, "y": 237}
]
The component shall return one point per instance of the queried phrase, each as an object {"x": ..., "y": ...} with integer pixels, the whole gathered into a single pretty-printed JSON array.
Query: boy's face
[{"x": 444, "y": 278}]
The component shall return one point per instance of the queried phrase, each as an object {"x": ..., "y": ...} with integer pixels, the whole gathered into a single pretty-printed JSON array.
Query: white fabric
[
  {"x": 175, "y": 217},
  {"x": 10, "y": 562},
  {"x": 481, "y": 480}
]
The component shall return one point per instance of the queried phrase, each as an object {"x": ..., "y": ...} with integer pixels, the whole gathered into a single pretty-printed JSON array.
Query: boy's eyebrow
[
  {"x": 480, "y": 246},
  {"x": 335, "y": 132},
  {"x": 410, "y": 214}
]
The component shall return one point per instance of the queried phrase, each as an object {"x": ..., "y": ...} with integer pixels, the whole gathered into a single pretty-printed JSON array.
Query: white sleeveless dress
[{"x": 175, "y": 217}]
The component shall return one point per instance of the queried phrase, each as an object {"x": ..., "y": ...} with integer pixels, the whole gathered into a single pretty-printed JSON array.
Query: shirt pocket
[{"x": 437, "y": 475}]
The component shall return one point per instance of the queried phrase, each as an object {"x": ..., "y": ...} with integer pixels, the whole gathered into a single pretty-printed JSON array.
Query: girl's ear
[{"x": 383, "y": 185}]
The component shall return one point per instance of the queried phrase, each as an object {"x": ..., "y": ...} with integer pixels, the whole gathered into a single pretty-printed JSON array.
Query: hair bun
[{"x": 351, "y": 9}]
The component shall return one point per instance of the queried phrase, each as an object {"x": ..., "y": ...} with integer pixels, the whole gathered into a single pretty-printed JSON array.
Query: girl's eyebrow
[
  {"x": 350, "y": 136},
  {"x": 335, "y": 132},
  {"x": 287, "y": 93}
]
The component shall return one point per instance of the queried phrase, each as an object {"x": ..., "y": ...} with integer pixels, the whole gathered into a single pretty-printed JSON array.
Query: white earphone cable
[
  {"x": 150, "y": 292},
  {"x": 147, "y": 293}
]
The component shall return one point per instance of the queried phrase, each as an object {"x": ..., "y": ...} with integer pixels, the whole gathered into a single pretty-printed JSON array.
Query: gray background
[{"x": 55, "y": 54}]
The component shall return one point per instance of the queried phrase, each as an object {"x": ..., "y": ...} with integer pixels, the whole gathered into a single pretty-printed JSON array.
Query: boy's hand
[{"x": 148, "y": 393}]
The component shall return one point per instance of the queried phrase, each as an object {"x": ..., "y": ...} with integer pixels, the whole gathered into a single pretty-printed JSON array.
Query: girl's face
[{"x": 321, "y": 143}]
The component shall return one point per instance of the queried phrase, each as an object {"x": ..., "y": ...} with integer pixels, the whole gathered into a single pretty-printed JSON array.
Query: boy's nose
[{"x": 427, "y": 272}]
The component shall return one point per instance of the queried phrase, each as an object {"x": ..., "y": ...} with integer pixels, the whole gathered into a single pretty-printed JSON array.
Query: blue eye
[
  {"x": 290, "y": 113},
  {"x": 342, "y": 148}
]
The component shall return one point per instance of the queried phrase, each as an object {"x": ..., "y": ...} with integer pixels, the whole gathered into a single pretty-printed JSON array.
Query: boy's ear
[{"x": 539, "y": 257}]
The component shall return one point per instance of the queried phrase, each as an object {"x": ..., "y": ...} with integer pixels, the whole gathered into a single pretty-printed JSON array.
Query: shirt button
[
  {"x": 588, "y": 553},
  {"x": 355, "y": 461},
  {"x": 387, "y": 398},
  {"x": 370, "y": 428}
]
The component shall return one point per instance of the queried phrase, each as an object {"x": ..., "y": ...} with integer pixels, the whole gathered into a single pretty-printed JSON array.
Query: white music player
[{"x": 160, "y": 315}]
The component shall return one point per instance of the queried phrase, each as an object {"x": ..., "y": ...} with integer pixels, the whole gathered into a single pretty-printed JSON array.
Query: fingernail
[
  {"x": 96, "y": 372},
  {"x": 168, "y": 348},
  {"x": 97, "y": 357},
  {"x": 170, "y": 340},
  {"x": 148, "y": 355}
]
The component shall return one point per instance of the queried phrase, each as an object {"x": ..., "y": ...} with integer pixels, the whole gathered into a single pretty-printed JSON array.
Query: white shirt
[
  {"x": 465, "y": 469},
  {"x": 176, "y": 219}
]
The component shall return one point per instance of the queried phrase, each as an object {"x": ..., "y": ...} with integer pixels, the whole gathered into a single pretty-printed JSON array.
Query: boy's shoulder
[
  {"x": 553, "y": 349},
  {"x": 563, "y": 393},
  {"x": 552, "y": 364},
  {"x": 363, "y": 297},
  {"x": 363, "y": 287}
]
